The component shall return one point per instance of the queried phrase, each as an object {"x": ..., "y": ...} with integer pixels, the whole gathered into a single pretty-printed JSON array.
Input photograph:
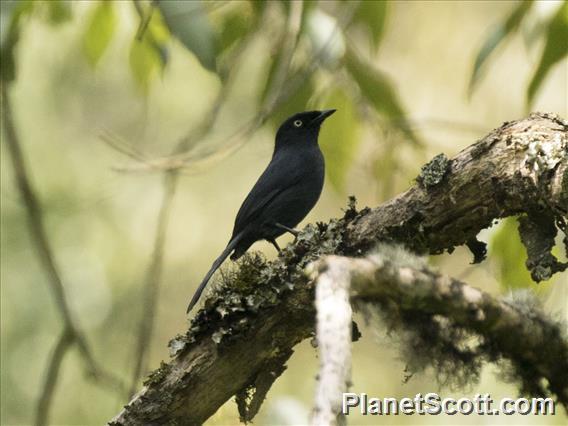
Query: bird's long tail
[{"x": 230, "y": 247}]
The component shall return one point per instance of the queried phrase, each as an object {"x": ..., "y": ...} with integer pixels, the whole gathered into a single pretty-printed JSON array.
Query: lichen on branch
[{"x": 251, "y": 322}]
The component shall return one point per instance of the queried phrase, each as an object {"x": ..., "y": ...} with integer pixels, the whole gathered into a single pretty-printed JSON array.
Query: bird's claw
[{"x": 292, "y": 231}]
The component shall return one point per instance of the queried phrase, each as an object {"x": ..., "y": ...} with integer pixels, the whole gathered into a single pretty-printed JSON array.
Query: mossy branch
[
  {"x": 249, "y": 325},
  {"x": 445, "y": 323}
]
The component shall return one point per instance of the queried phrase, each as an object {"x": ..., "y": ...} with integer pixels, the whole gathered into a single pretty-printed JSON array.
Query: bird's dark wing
[{"x": 277, "y": 177}]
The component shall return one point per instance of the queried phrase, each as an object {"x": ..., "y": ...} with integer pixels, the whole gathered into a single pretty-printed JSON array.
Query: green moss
[
  {"x": 177, "y": 344},
  {"x": 412, "y": 232},
  {"x": 256, "y": 284}
]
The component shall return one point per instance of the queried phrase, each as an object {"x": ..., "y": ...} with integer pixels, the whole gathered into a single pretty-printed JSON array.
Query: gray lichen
[
  {"x": 158, "y": 374},
  {"x": 434, "y": 171},
  {"x": 430, "y": 343},
  {"x": 541, "y": 153},
  {"x": 241, "y": 293},
  {"x": 177, "y": 344},
  {"x": 538, "y": 232}
]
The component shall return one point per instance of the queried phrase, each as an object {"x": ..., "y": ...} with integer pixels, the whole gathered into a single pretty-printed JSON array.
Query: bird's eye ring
[{"x": 298, "y": 123}]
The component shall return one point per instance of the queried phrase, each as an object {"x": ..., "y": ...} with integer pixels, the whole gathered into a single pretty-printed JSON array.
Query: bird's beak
[{"x": 323, "y": 115}]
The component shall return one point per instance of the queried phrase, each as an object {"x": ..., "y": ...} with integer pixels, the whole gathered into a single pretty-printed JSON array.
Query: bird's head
[{"x": 302, "y": 127}]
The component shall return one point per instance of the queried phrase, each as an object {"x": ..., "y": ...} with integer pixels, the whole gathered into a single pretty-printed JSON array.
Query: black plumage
[{"x": 285, "y": 192}]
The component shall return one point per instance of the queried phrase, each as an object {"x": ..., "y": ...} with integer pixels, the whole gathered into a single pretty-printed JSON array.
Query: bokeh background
[{"x": 102, "y": 95}]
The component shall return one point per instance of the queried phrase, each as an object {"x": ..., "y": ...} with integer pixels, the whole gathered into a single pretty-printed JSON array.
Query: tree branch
[
  {"x": 153, "y": 277},
  {"x": 51, "y": 376},
  {"x": 40, "y": 241},
  {"x": 334, "y": 319},
  {"x": 279, "y": 92},
  {"x": 415, "y": 298},
  {"x": 250, "y": 323},
  {"x": 152, "y": 282}
]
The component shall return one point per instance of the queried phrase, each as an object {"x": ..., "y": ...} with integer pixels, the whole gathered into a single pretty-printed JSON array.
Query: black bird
[{"x": 285, "y": 192}]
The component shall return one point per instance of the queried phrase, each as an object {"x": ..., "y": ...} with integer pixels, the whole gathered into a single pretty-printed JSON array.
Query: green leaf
[
  {"x": 235, "y": 25},
  {"x": 276, "y": 59},
  {"x": 339, "y": 137},
  {"x": 188, "y": 22},
  {"x": 496, "y": 37},
  {"x": 555, "y": 49},
  {"x": 59, "y": 11},
  {"x": 308, "y": 8},
  {"x": 296, "y": 101},
  {"x": 100, "y": 30},
  {"x": 144, "y": 63},
  {"x": 157, "y": 37},
  {"x": 258, "y": 6},
  {"x": 11, "y": 15},
  {"x": 379, "y": 91},
  {"x": 372, "y": 15}
]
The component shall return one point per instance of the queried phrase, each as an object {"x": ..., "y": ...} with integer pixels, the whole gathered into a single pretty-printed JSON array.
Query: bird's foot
[
  {"x": 292, "y": 231},
  {"x": 275, "y": 244}
]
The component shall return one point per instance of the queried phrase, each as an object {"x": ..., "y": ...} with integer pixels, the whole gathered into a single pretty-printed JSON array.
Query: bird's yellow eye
[{"x": 298, "y": 123}]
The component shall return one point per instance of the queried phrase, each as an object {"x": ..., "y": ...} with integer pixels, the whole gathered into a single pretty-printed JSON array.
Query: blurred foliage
[
  {"x": 510, "y": 255},
  {"x": 144, "y": 62},
  {"x": 99, "y": 32},
  {"x": 372, "y": 16},
  {"x": 149, "y": 52},
  {"x": 501, "y": 31},
  {"x": 554, "y": 31},
  {"x": 59, "y": 11},
  {"x": 235, "y": 25},
  {"x": 189, "y": 23},
  {"x": 298, "y": 100},
  {"x": 555, "y": 48},
  {"x": 153, "y": 71},
  {"x": 12, "y": 13},
  {"x": 340, "y": 138},
  {"x": 378, "y": 90},
  {"x": 211, "y": 29}
]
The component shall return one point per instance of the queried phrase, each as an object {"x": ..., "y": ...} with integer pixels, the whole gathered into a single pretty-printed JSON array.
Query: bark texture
[
  {"x": 239, "y": 342},
  {"x": 333, "y": 333},
  {"x": 481, "y": 326}
]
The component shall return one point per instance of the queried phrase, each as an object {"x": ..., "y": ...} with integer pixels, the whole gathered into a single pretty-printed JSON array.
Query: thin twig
[
  {"x": 33, "y": 210},
  {"x": 200, "y": 160},
  {"x": 181, "y": 150},
  {"x": 333, "y": 331},
  {"x": 45, "y": 256},
  {"x": 289, "y": 42},
  {"x": 117, "y": 143},
  {"x": 145, "y": 18},
  {"x": 219, "y": 350},
  {"x": 152, "y": 285},
  {"x": 186, "y": 143},
  {"x": 51, "y": 375}
]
